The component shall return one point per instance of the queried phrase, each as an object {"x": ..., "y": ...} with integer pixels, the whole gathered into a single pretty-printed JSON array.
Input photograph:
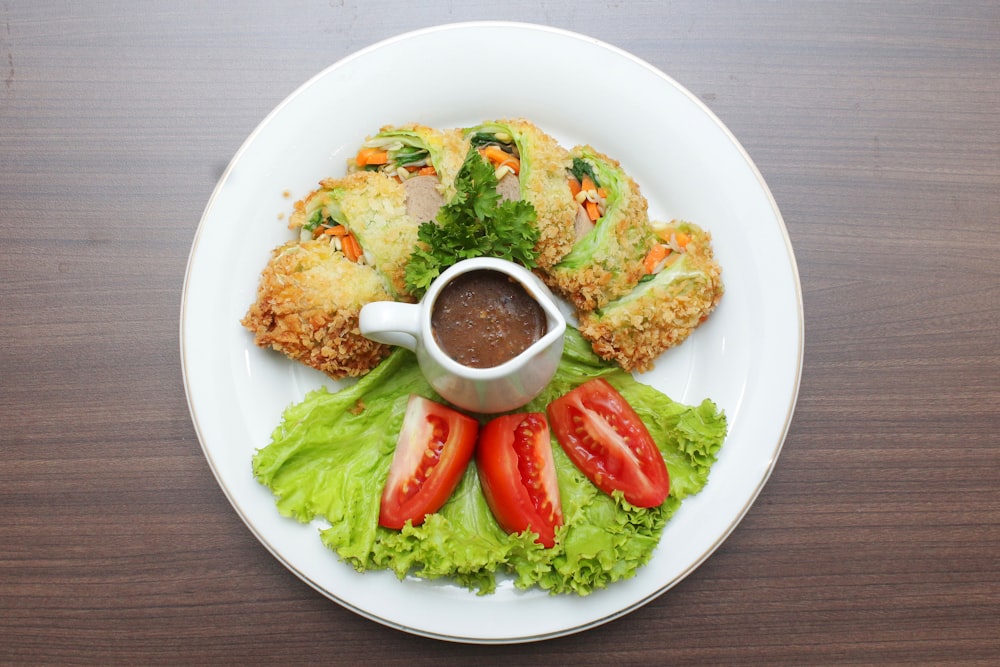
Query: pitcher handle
[{"x": 391, "y": 323}]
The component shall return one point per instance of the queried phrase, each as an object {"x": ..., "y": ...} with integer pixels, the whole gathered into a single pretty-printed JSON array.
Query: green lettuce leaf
[{"x": 329, "y": 458}]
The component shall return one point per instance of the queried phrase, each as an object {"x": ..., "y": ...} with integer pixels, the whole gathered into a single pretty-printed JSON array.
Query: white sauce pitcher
[{"x": 487, "y": 390}]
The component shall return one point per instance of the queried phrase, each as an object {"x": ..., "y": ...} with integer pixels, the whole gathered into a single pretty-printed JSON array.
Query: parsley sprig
[{"x": 475, "y": 223}]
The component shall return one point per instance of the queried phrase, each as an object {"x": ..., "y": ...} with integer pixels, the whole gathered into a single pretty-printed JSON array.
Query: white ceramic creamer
[{"x": 500, "y": 388}]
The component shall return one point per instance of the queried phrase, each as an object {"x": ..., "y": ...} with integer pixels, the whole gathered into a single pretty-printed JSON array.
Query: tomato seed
[{"x": 527, "y": 465}]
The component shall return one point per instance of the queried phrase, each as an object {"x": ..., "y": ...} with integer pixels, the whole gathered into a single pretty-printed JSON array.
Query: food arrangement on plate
[{"x": 569, "y": 492}]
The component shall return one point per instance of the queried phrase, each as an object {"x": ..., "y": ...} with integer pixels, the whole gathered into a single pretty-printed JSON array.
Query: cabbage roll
[
  {"x": 613, "y": 233},
  {"x": 680, "y": 292},
  {"x": 530, "y": 165},
  {"x": 365, "y": 216}
]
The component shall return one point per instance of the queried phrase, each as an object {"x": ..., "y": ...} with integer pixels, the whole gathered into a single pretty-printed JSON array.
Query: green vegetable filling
[
  {"x": 408, "y": 155},
  {"x": 483, "y": 139},
  {"x": 582, "y": 168}
]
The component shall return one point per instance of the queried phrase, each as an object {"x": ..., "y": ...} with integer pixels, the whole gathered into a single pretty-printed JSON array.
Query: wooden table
[{"x": 877, "y": 538}]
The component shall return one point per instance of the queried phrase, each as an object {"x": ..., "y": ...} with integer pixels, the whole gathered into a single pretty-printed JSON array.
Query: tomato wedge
[
  {"x": 518, "y": 475},
  {"x": 433, "y": 450},
  {"x": 606, "y": 439}
]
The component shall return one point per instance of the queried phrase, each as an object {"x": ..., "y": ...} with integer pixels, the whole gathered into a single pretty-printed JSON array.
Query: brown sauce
[{"x": 484, "y": 318}]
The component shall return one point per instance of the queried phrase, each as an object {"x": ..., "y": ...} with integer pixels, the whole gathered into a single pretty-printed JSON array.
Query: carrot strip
[
  {"x": 574, "y": 186},
  {"x": 588, "y": 184},
  {"x": 369, "y": 156},
  {"x": 429, "y": 170},
  {"x": 593, "y": 210},
  {"x": 351, "y": 247},
  {"x": 682, "y": 239},
  {"x": 337, "y": 230},
  {"x": 655, "y": 255},
  {"x": 498, "y": 157},
  {"x": 495, "y": 154}
]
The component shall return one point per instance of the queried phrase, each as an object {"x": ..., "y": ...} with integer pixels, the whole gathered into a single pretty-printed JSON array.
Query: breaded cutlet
[
  {"x": 606, "y": 260},
  {"x": 661, "y": 312},
  {"x": 308, "y": 302},
  {"x": 542, "y": 182}
]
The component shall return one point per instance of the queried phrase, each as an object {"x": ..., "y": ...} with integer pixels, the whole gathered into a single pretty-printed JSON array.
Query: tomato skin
[
  {"x": 609, "y": 443},
  {"x": 518, "y": 475},
  {"x": 433, "y": 450}
]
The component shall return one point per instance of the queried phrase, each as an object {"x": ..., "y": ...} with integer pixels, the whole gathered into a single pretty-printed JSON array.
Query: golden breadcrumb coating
[
  {"x": 661, "y": 313},
  {"x": 607, "y": 262},
  {"x": 308, "y": 302},
  {"x": 373, "y": 208},
  {"x": 454, "y": 149}
]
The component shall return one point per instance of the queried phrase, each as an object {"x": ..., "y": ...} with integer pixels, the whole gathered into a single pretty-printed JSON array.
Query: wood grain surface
[{"x": 877, "y": 537}]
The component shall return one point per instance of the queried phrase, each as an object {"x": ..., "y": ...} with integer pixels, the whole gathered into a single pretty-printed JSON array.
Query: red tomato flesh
[
  {"x": 518, "y": 475},
  {"x": 609, "y": 443},
  {"x": 433, "y": 450}
]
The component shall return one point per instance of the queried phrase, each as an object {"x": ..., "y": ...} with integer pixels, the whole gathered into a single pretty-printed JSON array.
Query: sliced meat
[
  {"x": 509, "y": 187},
  {"x": 582, "y": 223},
  {"x": 423, "y": 199}
]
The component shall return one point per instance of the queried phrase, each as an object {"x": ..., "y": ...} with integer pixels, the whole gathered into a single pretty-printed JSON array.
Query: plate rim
[{"x": 718, "y": 124}]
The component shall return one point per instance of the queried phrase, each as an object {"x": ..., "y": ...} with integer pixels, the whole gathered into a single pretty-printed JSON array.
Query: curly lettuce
[{"x": 329, "y": 458}]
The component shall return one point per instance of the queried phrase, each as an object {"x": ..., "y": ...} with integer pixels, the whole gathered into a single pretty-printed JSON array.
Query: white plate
[{"x": 747, "y": 357}]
